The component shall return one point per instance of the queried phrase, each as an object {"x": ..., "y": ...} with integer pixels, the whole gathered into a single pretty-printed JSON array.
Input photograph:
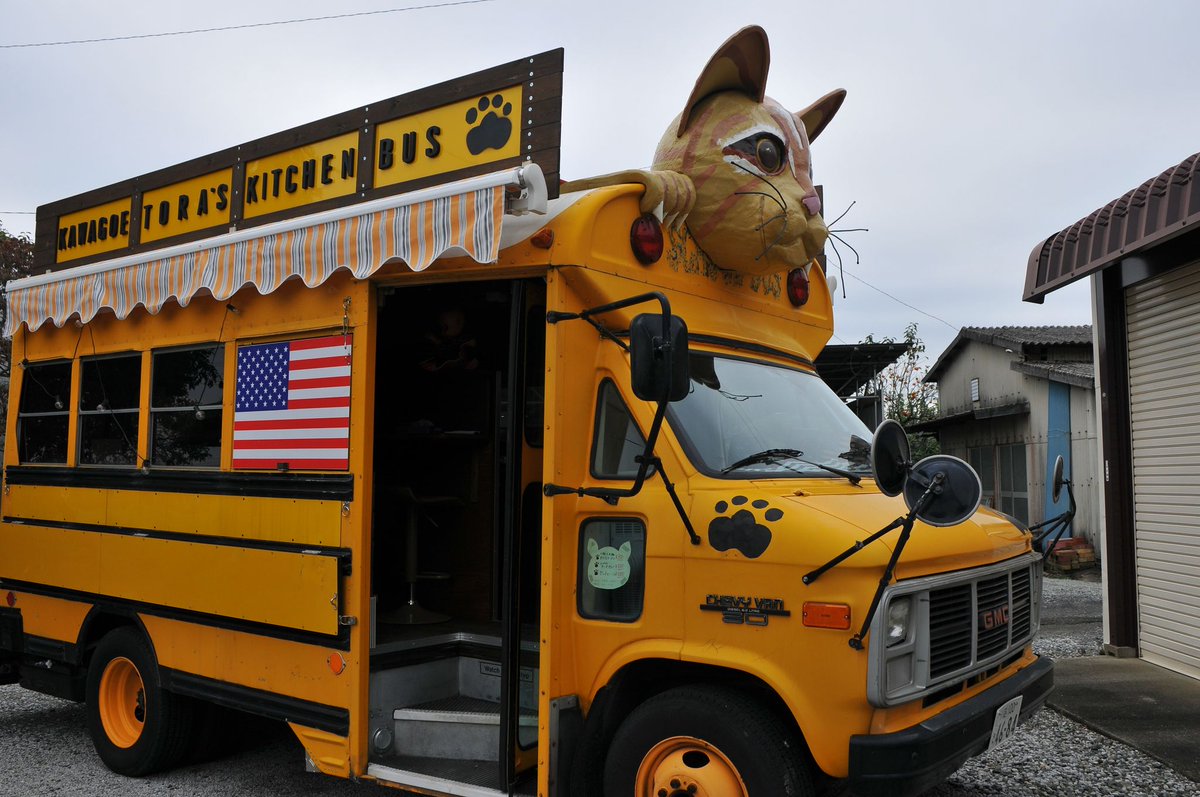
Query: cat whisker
[
  {"x": 778, "y": 237},
  {"x": 846, "y": 243},
  {"x": 853, "y": 229},
  {"x": 841, "y": 268},
  {"x": 756, "y": 193},
  {"x": 782, "y": 202},
  {"x": 768, "y": 221},
  {"x": 844, "y": 212}
]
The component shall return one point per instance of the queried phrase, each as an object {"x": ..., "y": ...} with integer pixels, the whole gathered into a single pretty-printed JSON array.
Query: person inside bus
[{"x": 451, "y": 346}]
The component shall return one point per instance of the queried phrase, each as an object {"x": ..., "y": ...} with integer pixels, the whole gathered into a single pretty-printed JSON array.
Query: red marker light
[
  {"x": 797, "y": 287},
  {"x": 646, "y": 239},
  {"x": 11, "y": 599}
]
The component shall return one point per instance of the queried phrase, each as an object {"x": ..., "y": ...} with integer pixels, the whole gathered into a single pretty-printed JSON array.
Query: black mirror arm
[
  {"x": 1057, "y": 525},
  {"x": 687, "y": 522},
  {"x": 934, "y": 486},
  {"x": 611, "y": 494},
  {"x": 554, "y": 316}
]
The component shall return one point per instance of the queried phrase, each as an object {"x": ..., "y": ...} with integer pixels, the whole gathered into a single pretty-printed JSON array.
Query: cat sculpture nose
[{"x": 812, "y": 203}]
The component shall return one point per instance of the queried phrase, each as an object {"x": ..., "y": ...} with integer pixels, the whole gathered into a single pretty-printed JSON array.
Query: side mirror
[
  {"x": 1058, "y": 479},
  {"x": 659, "y": 364}
]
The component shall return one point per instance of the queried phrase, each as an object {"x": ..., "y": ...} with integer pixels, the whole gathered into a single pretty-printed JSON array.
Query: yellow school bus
[{"x": 482, "y": 487}]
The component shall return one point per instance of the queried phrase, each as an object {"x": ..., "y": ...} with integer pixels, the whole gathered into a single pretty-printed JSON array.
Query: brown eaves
[{"x": 1155, "y": 211}]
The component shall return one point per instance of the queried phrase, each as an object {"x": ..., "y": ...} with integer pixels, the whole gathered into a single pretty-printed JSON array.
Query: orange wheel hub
[
  {"x": 122, "y": 702},
  {"x": 684, "y": 766}
]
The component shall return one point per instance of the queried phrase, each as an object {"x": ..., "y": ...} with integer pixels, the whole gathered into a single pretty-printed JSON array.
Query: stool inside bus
[{"x": 415, "y": 506}]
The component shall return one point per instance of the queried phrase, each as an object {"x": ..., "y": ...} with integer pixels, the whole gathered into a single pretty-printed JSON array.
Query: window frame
[
  {"x": 65, "y": 411},
  {"x": 220, "y": 347},
  {"x": 136, "y": 411},
  {"x": 581, "y": 565},
  {"x": 604, "y": 384}
]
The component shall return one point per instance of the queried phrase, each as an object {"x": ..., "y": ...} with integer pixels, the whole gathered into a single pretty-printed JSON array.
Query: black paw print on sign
[
  {"x": 741, "y": 531},
  {"x": 492, "y": 125}
]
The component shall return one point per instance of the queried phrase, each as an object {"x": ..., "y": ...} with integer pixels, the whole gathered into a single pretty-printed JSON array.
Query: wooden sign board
[{"x": 488, "y": 121}]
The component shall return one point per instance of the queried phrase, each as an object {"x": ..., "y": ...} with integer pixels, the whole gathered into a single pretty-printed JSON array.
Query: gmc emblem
[{"x": 993, "y": 618}]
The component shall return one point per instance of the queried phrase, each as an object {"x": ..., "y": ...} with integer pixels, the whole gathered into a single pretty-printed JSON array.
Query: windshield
[{"x": 736, "y": 409}]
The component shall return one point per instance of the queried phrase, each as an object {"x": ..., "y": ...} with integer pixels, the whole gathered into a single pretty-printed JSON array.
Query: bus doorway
[{"x": 455, "y": 529}]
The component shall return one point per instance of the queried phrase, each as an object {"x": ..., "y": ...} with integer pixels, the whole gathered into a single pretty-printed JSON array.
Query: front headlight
[{"x": 899, "y": 614}]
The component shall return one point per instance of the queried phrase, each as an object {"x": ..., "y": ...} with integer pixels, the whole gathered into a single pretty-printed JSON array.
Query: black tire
[
  {"x": 159, "y": 736},
  {"x": 768, "y": 757}
]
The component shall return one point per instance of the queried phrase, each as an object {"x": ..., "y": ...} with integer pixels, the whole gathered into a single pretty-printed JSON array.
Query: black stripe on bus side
[
  {"x": 338, "y": 641},
  {"x": 300, "y": 486},
  {"x": 343, "y": 555},
  {"x": 332, "y": 719}
]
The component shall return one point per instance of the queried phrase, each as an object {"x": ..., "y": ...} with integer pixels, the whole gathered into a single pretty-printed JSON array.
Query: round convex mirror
[
  {"x": 890, "y": 457},
  {"x": 1058, "y": 479},
  {"x": 956, "y": 494}
]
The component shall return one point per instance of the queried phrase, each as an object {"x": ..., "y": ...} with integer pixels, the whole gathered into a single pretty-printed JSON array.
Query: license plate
[{"x": 1007, "y": 717}]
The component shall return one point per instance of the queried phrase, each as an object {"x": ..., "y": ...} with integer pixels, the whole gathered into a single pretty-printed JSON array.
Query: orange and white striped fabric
[{"x": 417, "y": 233}]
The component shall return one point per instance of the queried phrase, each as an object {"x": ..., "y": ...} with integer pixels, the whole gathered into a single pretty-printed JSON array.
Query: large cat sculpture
[{"x": 734, "y": 166}]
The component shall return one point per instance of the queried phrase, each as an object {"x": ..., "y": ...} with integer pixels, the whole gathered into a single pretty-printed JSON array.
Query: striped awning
[{"x": 458, "y": 219}]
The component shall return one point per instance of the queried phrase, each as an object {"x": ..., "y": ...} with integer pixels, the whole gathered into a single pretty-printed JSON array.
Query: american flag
[{"x": 293, "y": 405}]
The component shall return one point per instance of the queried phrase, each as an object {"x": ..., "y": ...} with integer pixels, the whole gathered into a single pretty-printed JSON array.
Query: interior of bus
[{"x": 455, "y": 526}]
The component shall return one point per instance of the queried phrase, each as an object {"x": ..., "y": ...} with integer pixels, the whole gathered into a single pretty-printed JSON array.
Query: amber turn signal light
[{"x": 826, "y": 615}]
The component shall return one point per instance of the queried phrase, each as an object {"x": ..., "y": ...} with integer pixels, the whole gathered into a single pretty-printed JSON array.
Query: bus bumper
[{"x": 915, "y": 759}]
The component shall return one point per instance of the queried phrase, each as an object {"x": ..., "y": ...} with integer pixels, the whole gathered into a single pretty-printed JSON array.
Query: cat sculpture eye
[{"x": 763, "y": 150}]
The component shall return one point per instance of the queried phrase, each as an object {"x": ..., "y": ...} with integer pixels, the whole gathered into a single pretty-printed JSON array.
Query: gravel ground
[{"x": 45, "y": 749}]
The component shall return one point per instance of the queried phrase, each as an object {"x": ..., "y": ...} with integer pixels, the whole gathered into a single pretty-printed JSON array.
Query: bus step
[
  {"x": 462, "y": 728},
  {"x": 459, "y": 727}
]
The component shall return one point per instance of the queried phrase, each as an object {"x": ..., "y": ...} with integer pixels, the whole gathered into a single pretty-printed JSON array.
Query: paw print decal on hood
[{"x": 742, "y": 531}]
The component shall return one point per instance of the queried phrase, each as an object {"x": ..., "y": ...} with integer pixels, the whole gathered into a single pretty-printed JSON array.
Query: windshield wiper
[{"x": 777, "y": 454}]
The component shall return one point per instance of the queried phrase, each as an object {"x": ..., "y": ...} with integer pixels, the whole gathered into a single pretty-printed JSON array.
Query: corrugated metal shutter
[{"x": 1164, "y": 393}]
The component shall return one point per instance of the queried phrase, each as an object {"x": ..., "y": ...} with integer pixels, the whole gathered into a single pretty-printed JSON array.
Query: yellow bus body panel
[
  {"x": 290, "y": 589},
  {"x": 275, "y": 665}
]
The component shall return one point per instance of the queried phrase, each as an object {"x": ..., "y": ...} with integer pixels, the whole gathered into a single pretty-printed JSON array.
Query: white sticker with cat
[{"x": 609, "y": 568}]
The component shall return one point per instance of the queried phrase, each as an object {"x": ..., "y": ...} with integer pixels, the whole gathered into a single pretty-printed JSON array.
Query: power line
[
  {"x": 901, "y": 301},
  {"x": 243, "y": 27},
  {"x": 18, "y": 212}
]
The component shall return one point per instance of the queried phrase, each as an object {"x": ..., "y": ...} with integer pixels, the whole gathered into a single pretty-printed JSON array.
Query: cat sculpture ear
[
  {"x": 740, "y": 64},
  {"x": 814, "y": 118}
]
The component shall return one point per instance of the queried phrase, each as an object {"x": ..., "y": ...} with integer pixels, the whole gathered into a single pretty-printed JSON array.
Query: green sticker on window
[{"x": 609, "y": 567}]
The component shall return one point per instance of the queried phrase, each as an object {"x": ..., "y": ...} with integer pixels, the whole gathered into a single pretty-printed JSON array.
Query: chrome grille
[
  {"x": 964, "y": 623},
  {"x": 949, "y": 629}
]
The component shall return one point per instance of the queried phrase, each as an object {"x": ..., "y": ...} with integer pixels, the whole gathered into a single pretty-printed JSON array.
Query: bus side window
[
  {"x": 108, "y": 410},
  {"x": 185, "y": 407},
  {"x": 617, "y": 439},
  {"x": 612, "y": 569},
  {"x": 43, "y": 414}
]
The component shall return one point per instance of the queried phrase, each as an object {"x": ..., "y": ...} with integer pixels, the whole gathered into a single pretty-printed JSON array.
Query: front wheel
[
  {"x": 136, "y": 726},
  {"x": 701, "y": 741}
]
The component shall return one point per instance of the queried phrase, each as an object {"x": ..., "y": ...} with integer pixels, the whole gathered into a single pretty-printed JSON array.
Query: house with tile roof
[{"x": 1010, "y": 401}]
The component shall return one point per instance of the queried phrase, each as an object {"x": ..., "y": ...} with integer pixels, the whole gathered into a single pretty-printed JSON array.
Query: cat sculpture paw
[{"x": 675, "y": 192}]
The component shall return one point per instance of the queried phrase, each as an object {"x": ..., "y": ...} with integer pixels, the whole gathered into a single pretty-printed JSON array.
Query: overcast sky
[{"x": 971, "y": 132}]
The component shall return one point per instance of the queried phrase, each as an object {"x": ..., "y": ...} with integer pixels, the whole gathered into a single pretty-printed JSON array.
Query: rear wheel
[
  {"x": 136, "y": 726},
  {"x": 698, "y": 741}
]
